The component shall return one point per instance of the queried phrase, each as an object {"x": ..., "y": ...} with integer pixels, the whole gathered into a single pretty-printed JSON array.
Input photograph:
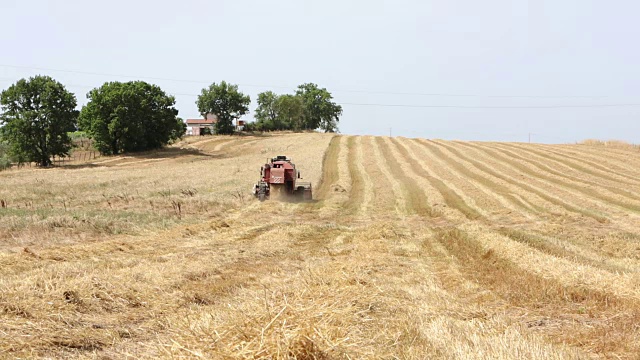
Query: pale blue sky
[{"x": 558, "y": 52}]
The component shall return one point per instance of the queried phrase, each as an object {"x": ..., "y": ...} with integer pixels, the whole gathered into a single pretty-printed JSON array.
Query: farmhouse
[{"x": 196, "y": 126}]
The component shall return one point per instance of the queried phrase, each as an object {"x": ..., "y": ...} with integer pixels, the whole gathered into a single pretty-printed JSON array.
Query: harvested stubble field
[{"x": 413, "y": 249}]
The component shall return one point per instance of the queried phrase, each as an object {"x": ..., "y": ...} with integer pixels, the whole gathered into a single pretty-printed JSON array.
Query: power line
[
  {"x": 492, "y": 107},
  {"x": 102, "y": 74},
  {"x": 288, "y": 87},
  {"x": 453, "y": 106},
  {"x": 474, "y": 95},
  {"x": 435, "y": 106}
]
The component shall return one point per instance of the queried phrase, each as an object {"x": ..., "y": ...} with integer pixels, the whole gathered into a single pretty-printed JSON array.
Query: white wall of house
[{"x": 197, "y": 128}]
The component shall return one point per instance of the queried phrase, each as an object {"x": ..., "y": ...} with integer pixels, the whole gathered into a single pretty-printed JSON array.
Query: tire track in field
[
  {"x": 204, "y": 145},
  {"x": 363, "y": 176},
  {"x": 356, "y": 194},
  {"x": 481, "y": 174},
  {"x": 240, "y": 146},
  {"x": 624, "y": 164},
  {"x": 568, "y": 182},
  {"x": 589, "y": 195},
  {"x": 458, "y": 185},
  {"x": 601, "y": 154},
  {"x": 110, "y": 160},
  {"x": 519, "y": 196},
  {"x": 623, "y": 167},
  {"x": 215, "y": 145},
  {"x": 400, "y": 222},
  {"x": 556, "y": 247},
  {"x": 555, "y": 250},
  {"x": 200, "y": 142},
  {"x": 434, "y": 148},
  {"x": 223, "y": 144},
  {"x": 453, "y": 329},
  {"x": 330, "y": 174},
  {"x": 561, "y": 249},
  {"x": 399, "y": 192},
  {"x": 383, "y": 200},
  {"x": 140, "y": 162},
  {"x": 490, "y": 188},
  {"x": 562, "y": 269},
  {"x": 416, "y": 193},
  {"x": 451, "y": 198},
  {"x": 588, "y": 206},
  {"x": 487, "y": 267},
  {"x": 601, "y": 173},
  {"x": 543, "y": 164},
  {"x": 528, "y": 188},
  {"x": 538, "y": 286}
]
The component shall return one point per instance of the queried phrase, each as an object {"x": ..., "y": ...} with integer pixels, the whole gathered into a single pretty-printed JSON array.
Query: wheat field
[{"x": 411, "y": 249}]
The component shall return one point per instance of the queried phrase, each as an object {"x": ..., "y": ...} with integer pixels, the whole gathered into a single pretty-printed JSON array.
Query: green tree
[
  {"x": 226, "y": 102},
  {"x": 251, "y": 127},
  {"x": 179, "y": 130},
  {"x": 5, "y": 157},
  {"x": 36, "y": 115},
  {"x": 290, "y": 110},
  {"x": 266, "y": 116},
  {"x": 319, "y": 110},
  {"x": 279, "y": 112},
  {"x": 131, "y": 116}
]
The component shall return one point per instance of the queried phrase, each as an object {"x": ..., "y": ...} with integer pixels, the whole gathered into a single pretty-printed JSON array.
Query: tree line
[
  {"x": 309, "y": 108},
  {"x": 38, "y": 114}
]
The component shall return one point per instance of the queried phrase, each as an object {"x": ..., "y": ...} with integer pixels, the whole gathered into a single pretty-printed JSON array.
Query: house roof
[{"x": 201, "y": 121}]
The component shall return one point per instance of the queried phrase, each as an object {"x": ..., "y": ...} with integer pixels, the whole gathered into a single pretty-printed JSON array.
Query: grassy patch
[{"x": 99, "y": 222}]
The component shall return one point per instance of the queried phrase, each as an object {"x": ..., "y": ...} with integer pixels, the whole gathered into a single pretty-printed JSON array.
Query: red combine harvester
[{"x": 279, "y": 174}]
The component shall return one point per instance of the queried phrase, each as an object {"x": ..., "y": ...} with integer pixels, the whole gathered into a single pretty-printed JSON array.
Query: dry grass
[
  {"x": 482, "y": 178},
  {"x": 616, "y": 144},
  {"x": 414, "y": 250},
  {"x": 451, "y": 198},
  {"x": 592, "y": 184},
  {"x": 595, "y": 171},
  {"x": 567, "y": 308},
  {"x": 525, "y": 185},
  {"x": 330, "y": 174},
  {"x": 417, "y": 202},
  {"x": 356, "y": 198},
  {"x": 528, "y": 167}
]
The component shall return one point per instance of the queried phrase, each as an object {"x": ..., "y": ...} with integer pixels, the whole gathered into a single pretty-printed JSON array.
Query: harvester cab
[{"x": 280, "y": 175}]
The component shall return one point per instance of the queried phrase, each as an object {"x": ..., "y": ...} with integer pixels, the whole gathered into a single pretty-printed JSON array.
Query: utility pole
[
  {"x": 529, "y": 138},
  {"x": 390, "y": 132}
]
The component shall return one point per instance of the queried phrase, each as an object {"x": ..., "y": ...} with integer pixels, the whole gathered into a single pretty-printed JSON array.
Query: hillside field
[{"x": 412, "y": 249}]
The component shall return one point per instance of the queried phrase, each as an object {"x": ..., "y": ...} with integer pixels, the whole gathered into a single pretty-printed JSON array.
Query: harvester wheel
[{"x": 308, "y": 195}]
